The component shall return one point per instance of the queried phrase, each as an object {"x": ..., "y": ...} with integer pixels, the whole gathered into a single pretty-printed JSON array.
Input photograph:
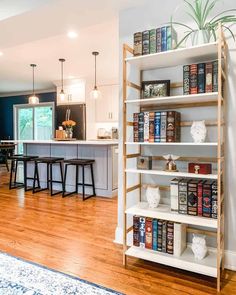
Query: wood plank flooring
[{"x": 76, "y": 237}]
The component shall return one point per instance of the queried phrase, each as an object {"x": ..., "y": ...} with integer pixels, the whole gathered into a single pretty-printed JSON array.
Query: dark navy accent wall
[{"x": 6, "y": 111}]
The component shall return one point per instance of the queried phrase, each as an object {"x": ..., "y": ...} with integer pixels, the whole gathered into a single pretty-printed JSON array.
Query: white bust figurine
[
  {"x": 198, "y": 131},
  {"x": 199, "y": 247},
  {"x": 153, "y": 196}
]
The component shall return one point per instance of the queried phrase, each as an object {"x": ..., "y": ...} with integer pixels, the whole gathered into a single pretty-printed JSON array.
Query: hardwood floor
[{"x": 76, "y": 237}]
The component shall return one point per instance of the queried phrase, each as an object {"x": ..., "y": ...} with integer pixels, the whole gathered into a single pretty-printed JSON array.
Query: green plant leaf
[
  {"x": 194, "y": 15},
  {"x": 208, "y": 9},
  {"x": 183, "y": 39},
  {"x": 180, "y": 24},
  {"x": 223, "y": 12},
  {"x": 227, "y": 28}
]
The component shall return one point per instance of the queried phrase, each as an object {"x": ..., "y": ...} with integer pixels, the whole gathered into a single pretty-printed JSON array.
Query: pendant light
[
  {"x": 33, "y": 99},
  {"x": 62, "y": 93},
  {"x": 95, "y": 93}
]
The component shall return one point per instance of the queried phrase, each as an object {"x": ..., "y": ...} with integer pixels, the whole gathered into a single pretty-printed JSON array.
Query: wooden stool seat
[
  {"x": 49, "y": 161},
  {"x": 80, "y": 163}
]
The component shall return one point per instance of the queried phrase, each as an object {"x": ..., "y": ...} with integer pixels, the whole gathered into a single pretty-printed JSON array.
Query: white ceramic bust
[
  {"x": 198, "y": 131},
  {"x": 199, "y": 247},
  {"x": 153, "y": 196}
]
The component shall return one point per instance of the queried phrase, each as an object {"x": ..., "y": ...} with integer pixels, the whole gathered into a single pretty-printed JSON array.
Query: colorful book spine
[
  {"x": 164, "y": 39},
  {"x": 193, "y": 79},
  {"x": 146, "y": 127},
  {"x": 154, "y": 234},
  {"x": 148, "y": 233},
  {"x": 215, "y": 76},
  {"x": 206, "y": 199},
  {"x": 186, "y": 79},
  {"x": 179, "y": 238},
  {"x": 138, "y": 44},
  {"x": 158, "y": 32},
  {"x": 199, "y": 198},
  {"x": 192, "y": 197},
  {"x": 163, "y": 126},
  {"x": 214, "y": 203},
  {"x": 140, "y": 127},
  {"x": 170, "y": 237},
  {"x": 151, "y": 126},
  {"x": 142, "y": 232},
  {"x": 157, "y": 123},
  {"x": 135, "y": 127},
  {"x": 173, "y": 126},
  {"x": 136, "y": 240},
  {"x": 164, "y": 233},
  {"x": 183, "y": 196},
  {"x": 171, "y": 38},
  {"x": 174, "y": 192},
  {"x": 146, "y": 42},
  {"x": 209, "y": 72},
  {"x": 153, "y": 41},
  {"x": 159, "y": 236},
  {"x": 201, "y": 77}
]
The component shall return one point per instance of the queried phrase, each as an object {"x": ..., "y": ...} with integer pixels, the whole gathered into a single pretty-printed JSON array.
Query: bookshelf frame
[{"x": 219, "y": 50}]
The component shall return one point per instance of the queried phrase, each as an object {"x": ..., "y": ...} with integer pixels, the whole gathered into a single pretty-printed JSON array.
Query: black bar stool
[
  {"x": 15, "y": 159},
  {"x": 50, "y": 162},
  {"x": 79, "y": 163}
]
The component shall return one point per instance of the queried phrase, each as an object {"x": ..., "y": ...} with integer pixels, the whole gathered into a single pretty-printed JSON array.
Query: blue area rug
[{"x": 20, "y": 277}]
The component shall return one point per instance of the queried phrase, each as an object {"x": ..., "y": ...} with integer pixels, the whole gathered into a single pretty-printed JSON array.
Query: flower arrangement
[{"x": 69, "y": 123}]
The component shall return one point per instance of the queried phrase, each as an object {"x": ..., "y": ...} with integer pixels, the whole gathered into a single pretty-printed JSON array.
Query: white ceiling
[{"x": 33, "y": 33}]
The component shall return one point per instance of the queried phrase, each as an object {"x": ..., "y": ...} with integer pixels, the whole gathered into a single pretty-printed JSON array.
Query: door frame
[{"x": 42, "y": 104}]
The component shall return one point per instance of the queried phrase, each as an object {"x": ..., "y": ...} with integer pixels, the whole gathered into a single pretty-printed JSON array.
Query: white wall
[{"x": 153, "y": 14}]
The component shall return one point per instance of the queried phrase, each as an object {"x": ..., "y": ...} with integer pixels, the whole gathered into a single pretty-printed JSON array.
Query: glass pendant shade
[
  {"x": 95, "y": 93},
  {"x": 62, "y": 93},
  {"x": 33, "y": 99}
]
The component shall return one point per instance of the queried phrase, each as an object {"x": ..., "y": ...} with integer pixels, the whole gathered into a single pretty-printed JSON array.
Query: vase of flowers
[
  {"x": 205, "y": 25},
  {"x": 69, "y": 124}
]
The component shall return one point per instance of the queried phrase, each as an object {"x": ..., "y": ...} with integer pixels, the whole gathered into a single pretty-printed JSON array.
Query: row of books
[
  {"x": 194, "y": 197},
  {"x": 156, "y": 126},
  {"x": 159, "y": 235},
  {"x": 200, "y": 78},
  {"x": 155, "y": 40}
]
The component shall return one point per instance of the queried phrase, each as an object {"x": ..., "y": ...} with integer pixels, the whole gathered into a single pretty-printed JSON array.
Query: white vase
[
  {"x": 198, "y": 131},
  {"x": 153, "y": 196},
  {"x": 199, "y": 247},
  {"x": 199, "y": 37}
]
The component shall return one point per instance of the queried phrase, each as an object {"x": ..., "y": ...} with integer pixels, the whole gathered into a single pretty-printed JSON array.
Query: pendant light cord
[
  {"x": 62, "y": 75},
  {"x": 33, "y": 80},
  {"x": 95, "y": 71}
]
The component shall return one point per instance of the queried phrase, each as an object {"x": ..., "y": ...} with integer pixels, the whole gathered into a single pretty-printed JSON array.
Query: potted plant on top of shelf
[{"x": 199, "y": 11}]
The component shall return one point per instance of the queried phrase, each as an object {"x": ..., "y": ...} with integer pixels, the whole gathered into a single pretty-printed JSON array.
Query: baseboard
[{"x": 230, "y": 256}]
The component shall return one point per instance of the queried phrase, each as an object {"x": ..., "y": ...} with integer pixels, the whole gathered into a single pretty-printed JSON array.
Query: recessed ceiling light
[
  {"x": 1, "y": 53},
  {"x": 71, "y": 77},
  {"x": 72, "y": 34}
]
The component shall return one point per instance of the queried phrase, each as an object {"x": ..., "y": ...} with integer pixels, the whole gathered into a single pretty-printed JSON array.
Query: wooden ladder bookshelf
[{"x": 213, "y": 264}]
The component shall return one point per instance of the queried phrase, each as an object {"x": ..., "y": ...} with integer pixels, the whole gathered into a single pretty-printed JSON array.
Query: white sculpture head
[
  {"x": 198, "y": 131},
  {"x": 153, "y": 196},
  {"x": 199, "y": 247}
]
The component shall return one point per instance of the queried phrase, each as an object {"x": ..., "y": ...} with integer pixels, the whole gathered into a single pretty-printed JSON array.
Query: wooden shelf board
[
  {"x": 186, "y": 261},
  {"x": 174, "y": 143},
  {"x": 164, "y": 212},
  {"x": 178, "y": 99},
  {"x": 172, "y": 174},
  {"x": 175, "y": 57}
]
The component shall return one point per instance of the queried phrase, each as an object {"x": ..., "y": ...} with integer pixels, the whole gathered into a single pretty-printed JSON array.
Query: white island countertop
[{"x": 75, "y": 142}]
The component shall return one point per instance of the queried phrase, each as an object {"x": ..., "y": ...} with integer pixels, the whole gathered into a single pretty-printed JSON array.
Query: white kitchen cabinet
[
  {"x": 74, "y": 94},
  {"x": 107, "y": 106}
]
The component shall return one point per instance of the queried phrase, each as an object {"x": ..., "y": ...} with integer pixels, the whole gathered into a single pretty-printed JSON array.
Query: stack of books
[
  {"x": 155, "y": 40},
  {"x": 195, "y": 197},
  {"x": 200, "y": 78},
  {"x": 159, "y": 235},
  {"x": 156, "y": 126}
]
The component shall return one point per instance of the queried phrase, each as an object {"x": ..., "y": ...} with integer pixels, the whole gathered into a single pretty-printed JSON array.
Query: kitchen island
[{"x": 104, "y": 152}]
